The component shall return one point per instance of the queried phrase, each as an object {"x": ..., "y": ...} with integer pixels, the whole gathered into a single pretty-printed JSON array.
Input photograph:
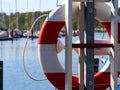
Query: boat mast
[
  {"x": 33, "y": 17},
  {"x": 27, "y": 16},
  {"x": 1, "y": 12},
  {"x": 9, "y": 15},
  {"x": 16, "y": 14},
  {"x": 32, "y": 21},
  {"x": 40, "y": 13},
  {"x": 2, "y": 15}
]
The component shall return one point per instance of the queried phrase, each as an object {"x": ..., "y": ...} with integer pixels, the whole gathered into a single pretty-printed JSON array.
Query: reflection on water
[
  {"x": 14, "y": 49},
  {"x": 14, "y": 75}
]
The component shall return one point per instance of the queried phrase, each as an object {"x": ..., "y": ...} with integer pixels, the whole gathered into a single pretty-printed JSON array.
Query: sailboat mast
[
  {"x": 40, "y": 13},
  {"x": 27, "y": 16},
  {"x": 16, "y": 14},
  {"x": 33, "y": 15},
  {"x": 1, "y": 12},
  {"x": 10, "y": 15},
  {"x": 2, "y": 15}
]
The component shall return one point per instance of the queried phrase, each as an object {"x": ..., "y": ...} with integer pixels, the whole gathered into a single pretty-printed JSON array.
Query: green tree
[
  {"x": 75, "y": 24},
  {"x": 98, "y": 24},
  {"x": 22, "y": 20}
]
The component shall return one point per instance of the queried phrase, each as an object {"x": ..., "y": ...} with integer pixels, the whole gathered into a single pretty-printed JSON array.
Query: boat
[
  {"x": 17, "y": 33},
  {"x": 4, "y": 35}
]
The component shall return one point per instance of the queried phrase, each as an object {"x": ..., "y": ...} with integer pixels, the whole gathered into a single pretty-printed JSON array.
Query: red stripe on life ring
[
  {"x": 107, "y": 25},
  {"x": 102, "y": 80},
  {"x": 58, "y": 80},
  {"x": 49, "y": 32}
]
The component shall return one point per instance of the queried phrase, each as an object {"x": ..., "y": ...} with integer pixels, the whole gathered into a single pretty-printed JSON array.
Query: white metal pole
[
  {"x": 114, "y": 37},
  {"x": 82, "y": 54},
  {"x": 68, "y": 53}
]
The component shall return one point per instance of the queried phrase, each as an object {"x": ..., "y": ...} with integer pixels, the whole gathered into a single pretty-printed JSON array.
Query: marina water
[{"x": 15, "y": 78}]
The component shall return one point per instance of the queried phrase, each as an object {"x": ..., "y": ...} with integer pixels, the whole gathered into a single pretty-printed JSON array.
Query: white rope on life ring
[
  {"x": 60, "y": 47},
  {"x": 23, "y": 60}
]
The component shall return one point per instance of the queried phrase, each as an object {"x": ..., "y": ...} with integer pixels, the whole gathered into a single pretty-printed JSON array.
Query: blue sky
[{"x": 33, "y": 5}]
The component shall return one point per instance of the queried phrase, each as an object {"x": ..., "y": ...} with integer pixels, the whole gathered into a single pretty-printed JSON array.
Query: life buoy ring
[{"x": 47, "y": 45}]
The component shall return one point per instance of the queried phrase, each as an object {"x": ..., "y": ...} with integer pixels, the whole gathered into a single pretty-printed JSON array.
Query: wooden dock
[{"x": 6, "y": 39}]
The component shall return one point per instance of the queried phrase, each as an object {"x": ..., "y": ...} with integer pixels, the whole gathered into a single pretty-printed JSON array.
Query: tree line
[{"x": 25, "y": 20}]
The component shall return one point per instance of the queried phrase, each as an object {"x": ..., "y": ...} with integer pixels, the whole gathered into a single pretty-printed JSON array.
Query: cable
[
  {"x": 45, "y": 15},
  {"x": 57, "y": 3}
]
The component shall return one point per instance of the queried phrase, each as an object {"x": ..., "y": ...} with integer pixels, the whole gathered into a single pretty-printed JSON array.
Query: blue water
[
  {"x": 118, "y": 87},
  {"x": 14, "y": 76}
]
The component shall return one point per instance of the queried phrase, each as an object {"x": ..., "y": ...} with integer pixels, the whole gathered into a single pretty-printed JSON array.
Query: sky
[{"x": 8, "y": 6}]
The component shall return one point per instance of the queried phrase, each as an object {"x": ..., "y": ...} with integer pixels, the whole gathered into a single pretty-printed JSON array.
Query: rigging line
[
  {"x": 56, "y": 3},
  {"x": 23, "y": 60}
]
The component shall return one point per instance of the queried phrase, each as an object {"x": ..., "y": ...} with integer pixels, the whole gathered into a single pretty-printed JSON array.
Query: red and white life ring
[{"x": 47, "y": 45}]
